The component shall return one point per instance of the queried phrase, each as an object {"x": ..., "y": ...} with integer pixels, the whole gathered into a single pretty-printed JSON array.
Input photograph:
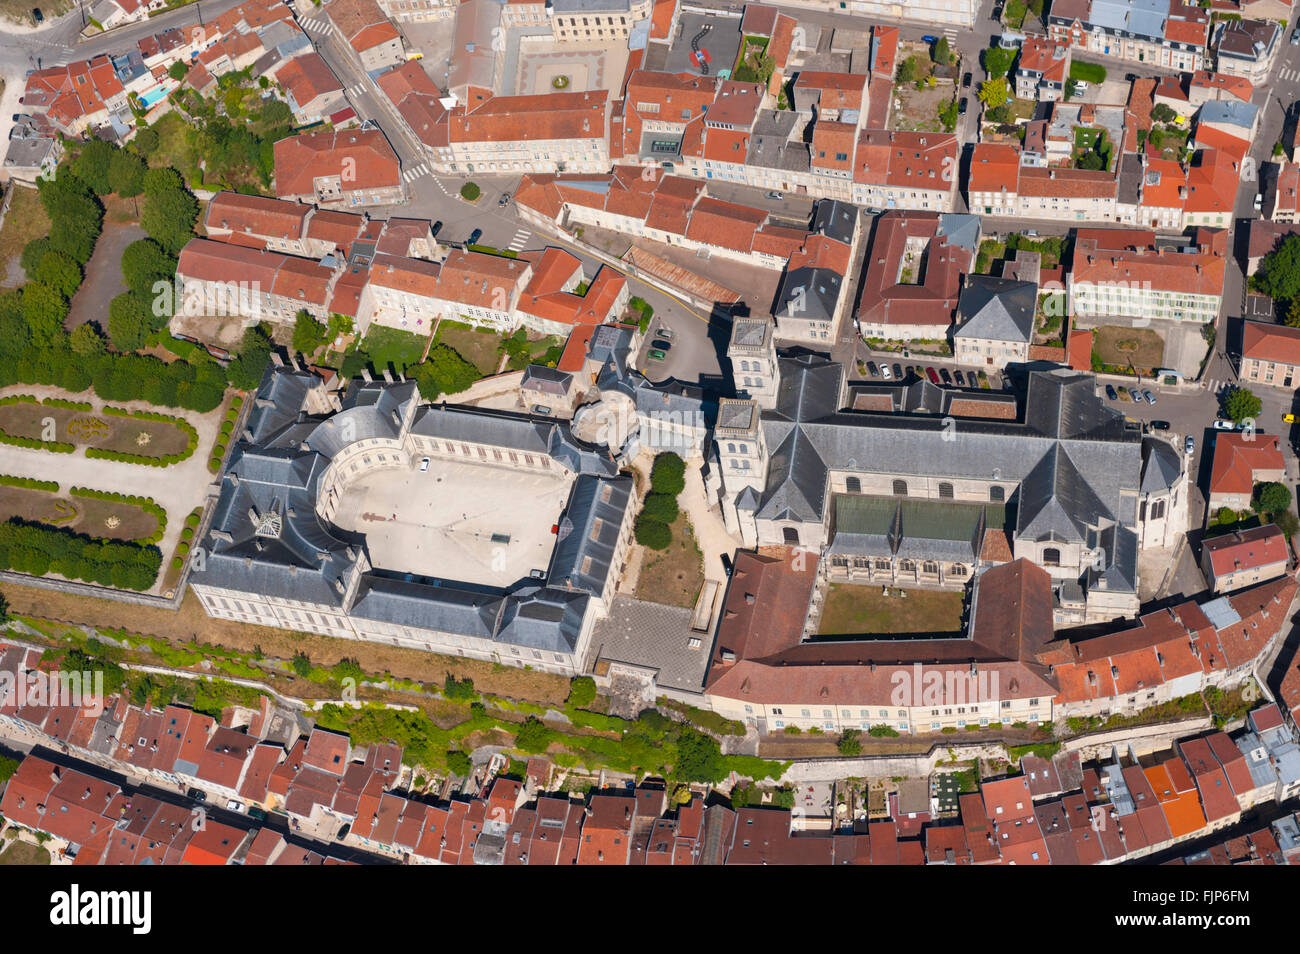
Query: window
[
  {"x": 900, "y": 488},
  {"x": 791, "y": 536},
  {"x": 997, "y": 494},
  {"x": 853, "y": 485},
  {"x": 1051, "y": 556},
  {"x": 945, "y": 491}
]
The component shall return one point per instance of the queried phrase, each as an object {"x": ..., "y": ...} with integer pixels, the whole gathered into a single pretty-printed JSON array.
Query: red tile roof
[
  {"x": 1246, "y": 550},
  {"x": 1239, "y": 457}
]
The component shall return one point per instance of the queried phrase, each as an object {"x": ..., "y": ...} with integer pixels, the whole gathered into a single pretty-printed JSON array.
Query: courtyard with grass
[
  {"x": 853, "y": 610},
  {"x": 1117, "y": 346}
]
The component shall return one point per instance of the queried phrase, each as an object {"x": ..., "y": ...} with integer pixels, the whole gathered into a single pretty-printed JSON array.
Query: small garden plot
[
  {"x": 1118, "y": 346},
  {"x": 120, "y": 433},
  {"x": 109, "y": 519}
]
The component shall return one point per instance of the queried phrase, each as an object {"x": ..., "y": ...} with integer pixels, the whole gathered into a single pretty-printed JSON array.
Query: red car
[{"x": 932, "y": 375}]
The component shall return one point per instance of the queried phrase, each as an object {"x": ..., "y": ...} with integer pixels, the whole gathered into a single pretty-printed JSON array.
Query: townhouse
[
  {"x": 340, "y": 167},
  {"x": 79, "y": 98},
  {"x": 311, "y": 89},
  {"x": 1270, "y": 354},
  {"x": 1247, "y": 48},
  {"x": 996, "y": 321},
  {"x": 553, "y": 132},
  {"x": 369, "y": 33},
  {"x": 1244, "y": 557},
  {"x": 1125, "y": 272},
  {"x": 228, "y": 280},
  {"x": 1166, "y": 33},
  {"x": 1042, "y": 69},
  {"x": 894, "y": 169},
  {"x": 1281, "y": 182},
  {"x": 1242, "y": 460}
]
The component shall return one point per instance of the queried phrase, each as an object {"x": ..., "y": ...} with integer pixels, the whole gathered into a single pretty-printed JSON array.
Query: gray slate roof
[{"x": 999, "y": 309}]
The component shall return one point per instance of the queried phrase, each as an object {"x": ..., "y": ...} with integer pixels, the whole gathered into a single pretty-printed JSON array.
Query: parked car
[
  {"x": 1148, "y": 396},
  {"x": 1136, "y": 395},
  {"x": 961, "y": 107},
  {"x": 933, "y": 375},
  {"x": 1288, "y": 418},
  {"x": 1158, "y": 425},
  {"x": 1081, "y": 87},
  {"x": 929, "y": 39},
  {"x": 776, "y": 196},
  {"x": 1189, "y": 445},
  {"x": 37, "y": 15},
  {"x": 965, "y": 81},
  {"x": 1222, "y": 425},
  {"x": 946, "y": 375},
  {"x": 424, "y": 464},
  {"x": 1110, "y": 392},
  {"x": 1295, "y": 36},
  {"x": 898, "y": 372},
  {"x": 872, "y": 369},
  {"x": 475, "y": 236},
  {"x": 196, "y": 795},
  {"x": 959, "y": 377},
  {"x": 885, "y": 372},
  {"x": 666, "y": 332},
  {"x": 504, "y": 200},
  {"x": 436, "y": 228},
  {"x": 661, "y": 344},
  {"x": 656, "y": 355},
  {"x": 234, "y": 805},
  {"x": 543, "y": 409}
]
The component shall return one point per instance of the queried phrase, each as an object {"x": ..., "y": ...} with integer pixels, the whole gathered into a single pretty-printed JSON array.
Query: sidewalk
[{"x": 710, "y": 532}]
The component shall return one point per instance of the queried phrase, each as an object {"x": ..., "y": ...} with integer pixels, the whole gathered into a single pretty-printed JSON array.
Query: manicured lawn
[
  {"x": 852, "y": 610},
  {"x": 97, "y": 518},
  {"x": 1084, "y": 138},
  {"x": 1087, "y": 72},
  {"x": 674, "y": 576},
  {"x": 127, "y": 435}
]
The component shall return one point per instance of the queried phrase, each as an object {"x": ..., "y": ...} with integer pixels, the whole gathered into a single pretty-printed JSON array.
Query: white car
[
  {"x": 424, "y": 464},
  {"x": 885, "y": 372},
  {"x": 234, "y": 805},
  {"x": 1222, "y": 425},
  {"x": 1081, "y": 87}
]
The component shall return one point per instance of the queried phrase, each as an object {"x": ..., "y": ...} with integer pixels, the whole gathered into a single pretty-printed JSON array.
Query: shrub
[
  {"x": 660, "y": 507},
  {"x": 668, "y": 476},
  {"x": 29, "y": 483},
  {"x": 653, "y": 534},
  {"x": 582, "y": 691},
  {"x": 533, "y": 736},
  {"x": 470, "y": 192},
  {"x": 850, "y": 743},
  {"x": 301, "y": 664},
  {"x": 458, "y": 762}
]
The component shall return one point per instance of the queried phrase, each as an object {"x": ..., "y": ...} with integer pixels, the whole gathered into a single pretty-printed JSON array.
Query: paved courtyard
[{"x": 473, "y": 523}]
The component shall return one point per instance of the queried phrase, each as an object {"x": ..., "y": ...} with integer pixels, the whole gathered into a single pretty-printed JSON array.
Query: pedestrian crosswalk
[
  {"x": 1289, "y": 75},
  {"x": 320, "y": 26},
  {"x": 357, "y": 90},
  {"x": 1215, "y": 385},
  {"x": 415, "y": 172},
  {"x": 519, "y": 241}
]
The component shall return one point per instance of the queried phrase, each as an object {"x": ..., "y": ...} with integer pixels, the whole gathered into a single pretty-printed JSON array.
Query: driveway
[{"x": 103, "y": 280}]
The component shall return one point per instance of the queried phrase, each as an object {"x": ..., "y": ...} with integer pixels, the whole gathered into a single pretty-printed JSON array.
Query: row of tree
[{"x": 39, "y": 550}]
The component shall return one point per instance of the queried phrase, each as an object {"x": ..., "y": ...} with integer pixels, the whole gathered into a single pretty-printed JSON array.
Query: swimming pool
[{"x": 148, "y": 99}]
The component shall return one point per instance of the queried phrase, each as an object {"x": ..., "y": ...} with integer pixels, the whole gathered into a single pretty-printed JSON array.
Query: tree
[
  {"x": 582, "y": 691},
  {"x": 850, "y": 743},
  {"x": 59, "y": 272},
  {"x": 912, "y": 70},
  {"x": 1226, "y": 516},
  {"x": 1162, "y": 113},
  {"x": 470, "y": 192},
  {"x": 146, "y": 141},
  {"x": 459, "y": 690},
  {"x": 660, "y": 507},
  {"x": 91, "y": 165},
  {"x": 245, "y": 371},
  {"x": 340, "y": 325},
  {"x": 126, "y": 173},
  {"x": 308, "y": 333},
  {"x": 129, "y": 321},
  {"x": 458, "y": 762},
  {"x": 87, "y": 343},
  {"x": 997, "y": 61},
  {"x": 445, "y": 372},
  {"x": 699, "y": 757},
  {"x": 1091, "y": 160},
  {"x": 994, "y": 93},
  {"x": 1287, "y": 522},
  {"x": 668, "y": 475},
  {"x": 1240, "y": 404},
  {"x": 653, "y": 534},
  {"x": 941, "y": 53},
  {"x": 178, "y": 70},
  {"x": 1279, "y": 272},
  {"x": 144, "y": 263},
  {"x": 4, "y": 618},
  {"x": 1293, "y": 313},
  {"x": 301, "y": 664},
  {"x": 948, "y": 115},
  {"x": 45, "y": 309},
  {"x": 169, "y": 216},
  {"x": 532, "y": 736},
  {"x": 162, "y": 179},
  {"x": 1271, "y": 497}
]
